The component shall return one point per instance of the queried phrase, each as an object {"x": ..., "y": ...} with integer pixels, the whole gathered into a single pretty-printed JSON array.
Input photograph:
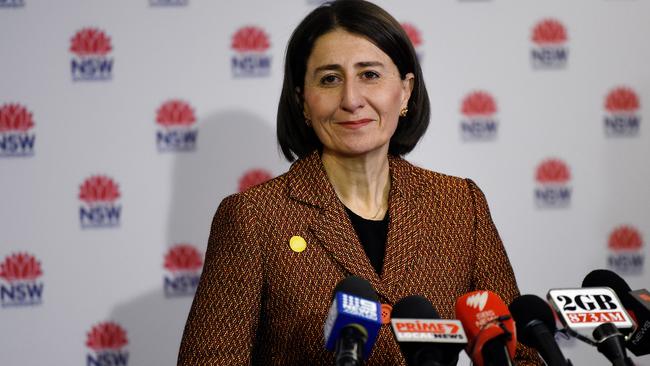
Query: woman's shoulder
[
  {"x": 429, "y": 180},
  {"x": 266, "y": 193}
]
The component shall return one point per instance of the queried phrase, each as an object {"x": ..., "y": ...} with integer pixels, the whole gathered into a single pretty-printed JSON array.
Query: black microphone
[
  {"x": 637, "y": 303},
  {"x": 424, "y": 338},
  {"x": 610, "y": 343},
  {"x": 536, "y": 328},
  {"x": 353, "y": 321}
]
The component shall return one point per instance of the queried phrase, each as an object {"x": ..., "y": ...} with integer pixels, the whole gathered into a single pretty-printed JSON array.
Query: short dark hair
[{"x": 360, "y": 17}]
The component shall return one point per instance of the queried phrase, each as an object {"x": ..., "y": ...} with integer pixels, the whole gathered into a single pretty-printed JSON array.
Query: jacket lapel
[
  {"x": 405, "y": 231},
  {"x": 334, "y": 231},
  {"x": 332, "y": 226}
]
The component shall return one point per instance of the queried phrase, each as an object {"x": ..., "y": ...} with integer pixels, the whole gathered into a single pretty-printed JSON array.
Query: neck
[{"x": 362, "y": 183}]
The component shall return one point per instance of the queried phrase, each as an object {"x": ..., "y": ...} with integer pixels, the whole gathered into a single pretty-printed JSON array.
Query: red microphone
[{"x": 490, "y": 329}]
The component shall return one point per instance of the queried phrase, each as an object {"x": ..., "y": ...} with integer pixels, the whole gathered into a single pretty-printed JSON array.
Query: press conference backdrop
[{"x": 124, "y": 123}]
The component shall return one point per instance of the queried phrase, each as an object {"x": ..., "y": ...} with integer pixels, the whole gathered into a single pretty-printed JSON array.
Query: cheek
[{"x": 312, "y": 102}]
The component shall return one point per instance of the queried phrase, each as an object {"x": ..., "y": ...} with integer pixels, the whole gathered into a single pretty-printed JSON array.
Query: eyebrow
[{"x": 358, "y": 65}]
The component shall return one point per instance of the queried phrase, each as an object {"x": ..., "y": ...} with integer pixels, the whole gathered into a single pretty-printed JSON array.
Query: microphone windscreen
[
  {"x": 607, "y": 278},
  {"x": 414, "y": 306},
  {"x": 528, "y": 308},
  {"x": 357, "y": 286}
]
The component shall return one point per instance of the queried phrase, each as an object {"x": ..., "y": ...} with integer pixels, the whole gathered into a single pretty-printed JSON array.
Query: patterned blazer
[{"x": 259, "y": 302}]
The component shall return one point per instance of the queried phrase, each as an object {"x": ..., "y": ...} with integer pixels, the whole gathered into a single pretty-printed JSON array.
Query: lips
[{"x": 355, "y": 124}]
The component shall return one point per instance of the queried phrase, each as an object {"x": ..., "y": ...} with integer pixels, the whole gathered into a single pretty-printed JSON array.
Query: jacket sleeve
[
  {"x": 492, "y": 269},
  {"x": 222, "y": 322}
]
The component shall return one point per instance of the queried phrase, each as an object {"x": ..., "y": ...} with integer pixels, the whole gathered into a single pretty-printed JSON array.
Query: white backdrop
[{"x": 180, "y": 112}]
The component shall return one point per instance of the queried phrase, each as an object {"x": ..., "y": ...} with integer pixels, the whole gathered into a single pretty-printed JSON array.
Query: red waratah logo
[
  {"x": 99, "y": 188},
  {"x": 15, "y": 117},
  {"x": 175, "y": 113},
  {"x": 625, "y": 238},
  {"x": 250, "y": 39},
  {"x": 622, "y": 99},
  {"x": 253, "y": 178},
  {"x": 90, "y": 41},
  {"x": 478, "y": 103},
  {"x": 413, "y": 33},
  {"x": 549, "y": 32},
  {"x": 106, "y": 336},
  {"x": 20, "y": 267},
  {"x": 183, "y": 257},
  {"x": 553, "y": 171}
]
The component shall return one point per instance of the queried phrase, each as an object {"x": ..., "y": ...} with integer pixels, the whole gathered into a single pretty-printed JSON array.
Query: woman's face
[{"x": 353, "y": 94}]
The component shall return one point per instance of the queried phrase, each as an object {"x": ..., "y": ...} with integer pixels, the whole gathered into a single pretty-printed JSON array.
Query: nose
[{"x": 352, "y": 97}]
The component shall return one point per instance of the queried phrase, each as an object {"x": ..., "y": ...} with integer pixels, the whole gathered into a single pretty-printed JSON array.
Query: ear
[
  {"x": 300, "y": 100},
  {"x": 407, "y": 86}
]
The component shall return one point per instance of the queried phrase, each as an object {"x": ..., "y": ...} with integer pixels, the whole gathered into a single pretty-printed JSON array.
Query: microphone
[
  {"x": 424, "y": 338},
  {"x": 489, "y": 327},
  {"x": 582, "y": 310},
  {"x": 637, "y": 303},
  {"x": 536, "y": 328},
  {"x": 353, "y": 321},
  {"x": 610, "y": 343}
]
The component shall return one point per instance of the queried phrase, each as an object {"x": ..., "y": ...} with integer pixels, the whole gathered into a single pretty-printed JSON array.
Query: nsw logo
[
  {"x": 21, "y": 273},
  {"x": 175, "y": 119},
  {"x": 549, "y": 50},
  {"x": 479, "y": 122},
  {"x": 251, "y": 59},
  {"x": 16, "y": 137},
  {"x": 625, "y": 246},
  {"x": 91, "y": 62},
  {"x": 169, "y": 2},
  {"x": 553, "y": 190},
  {"x": 183, "y": 264},
  {"x": 621, "y": 113},
  {"x": 107, "y": 343},
  {"x": 252, "y": 178},
  {"x": 415, "y": 36},
  {"x": 99, "y": 207},
  {"x": 12, "y": 3}
]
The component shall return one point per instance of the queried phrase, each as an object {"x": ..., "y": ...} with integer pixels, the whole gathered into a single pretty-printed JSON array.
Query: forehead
[{"x": 344, "y": 48}]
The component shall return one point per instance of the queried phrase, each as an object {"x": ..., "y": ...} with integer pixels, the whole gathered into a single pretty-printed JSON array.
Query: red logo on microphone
[
  {"x": 21, "y": 271},
  {"x": 251, "y": 59},
  {"x": 16, "y": 138},
  {"x": 621, "y": 113},
  {"x": 549, "y": 37},
  {"x": 99, "y": 208},
  {"x": 252, "y": 178},
  {"x": 175, "y": 119},
  {"x": 625, "y": 245},
  {"x": 183, "y": 263},
  {"x": 107, "y": 342},
  {"x": 553, "y": 190},
  {"x": 91, "y": 47},
  {"x": 479, "y": 122}
]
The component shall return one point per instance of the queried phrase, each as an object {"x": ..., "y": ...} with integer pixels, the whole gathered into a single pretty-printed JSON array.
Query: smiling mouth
[{"x": 355, "y": 124}]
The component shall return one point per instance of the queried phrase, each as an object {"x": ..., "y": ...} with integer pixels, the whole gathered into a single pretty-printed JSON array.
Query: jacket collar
[{"x": 308, "y": 183}]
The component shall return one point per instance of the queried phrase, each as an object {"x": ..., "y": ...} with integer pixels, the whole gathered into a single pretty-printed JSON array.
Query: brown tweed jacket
[{"x": 260, "y": 303}]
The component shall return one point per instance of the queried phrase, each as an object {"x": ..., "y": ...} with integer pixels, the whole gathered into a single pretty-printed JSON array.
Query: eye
[
  {"x": 370, "y": 75},
  {"x": 329, "y": 79}
]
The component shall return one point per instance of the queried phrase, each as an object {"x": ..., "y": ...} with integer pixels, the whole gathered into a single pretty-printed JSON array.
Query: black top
[{"x": 372, "y": 235}]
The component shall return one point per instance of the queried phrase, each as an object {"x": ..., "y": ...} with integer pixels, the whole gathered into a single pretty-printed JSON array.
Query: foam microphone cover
[
  {"x": 536, "y": 328},
  {"x": 357, "y": 286},
  {"x": 422, "y": 353},
  {"x": 528, "y": 309},
  {"x": 477, "y": 310},
  {"x": 607, "y": 278}
]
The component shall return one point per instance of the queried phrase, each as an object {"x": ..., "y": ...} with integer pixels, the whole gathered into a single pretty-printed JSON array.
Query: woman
[{"x": 352, "y": 103}]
